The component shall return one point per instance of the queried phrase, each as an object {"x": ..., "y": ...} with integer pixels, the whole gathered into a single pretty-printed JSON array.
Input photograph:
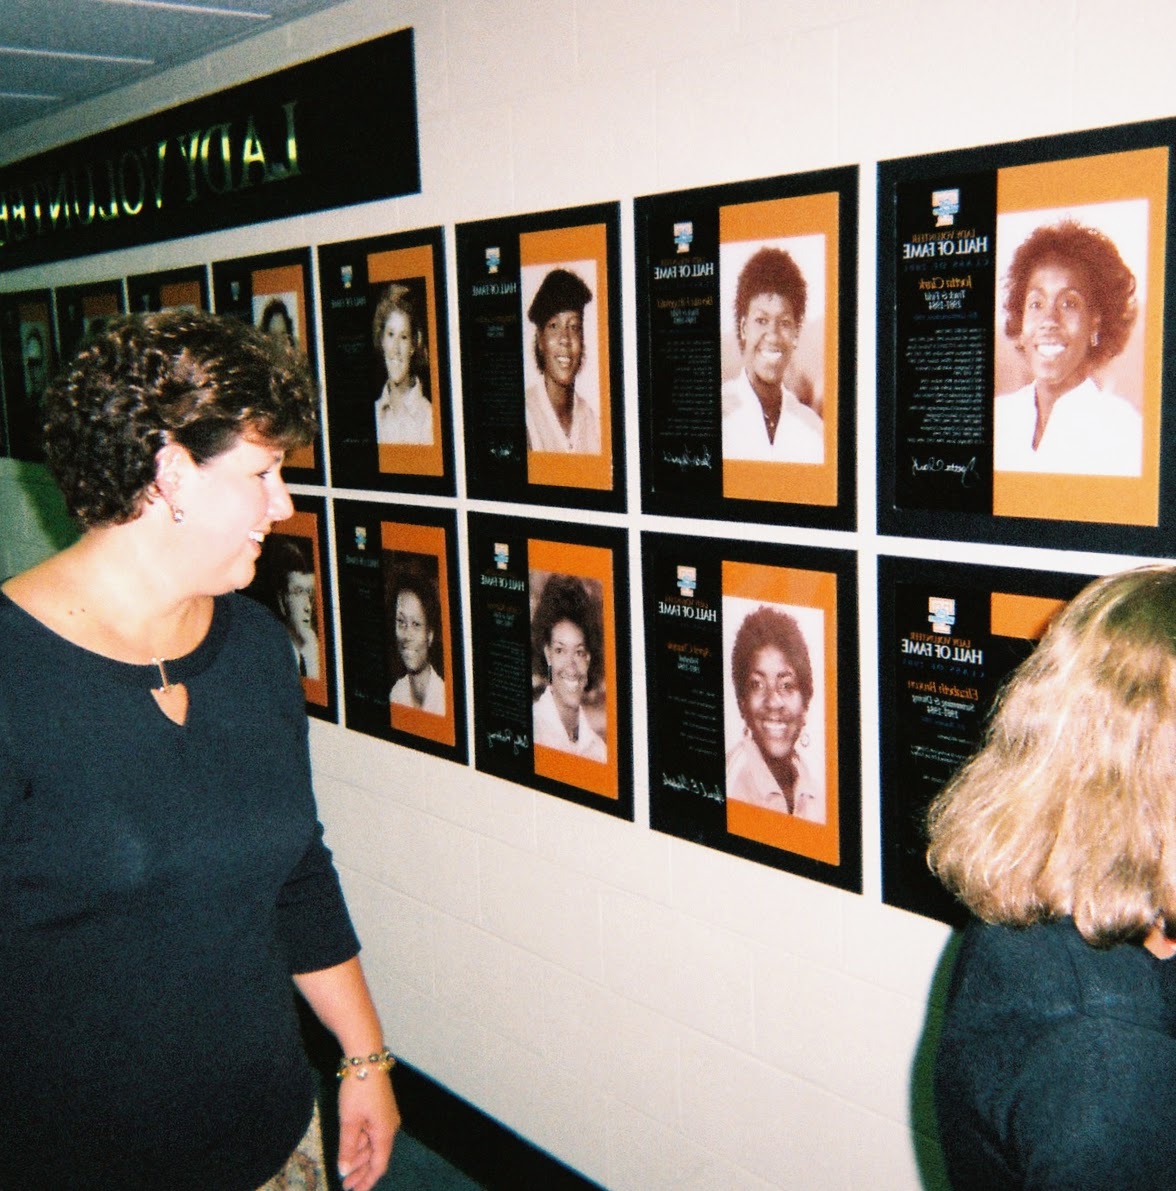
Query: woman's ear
[{"x": 172, "y": 463}]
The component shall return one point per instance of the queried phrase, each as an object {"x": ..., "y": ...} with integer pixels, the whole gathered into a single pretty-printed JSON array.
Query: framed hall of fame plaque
[
  {"x": 400, "y": 616},
  {"x": 950, "y": 634},
  {"x": 84, "y": 310},
  {"x": 551, "y": 671},
  {"x": 752, "y": 676},
  {"x": 540, "y": 324},
  {"x": 386, "y": 354},
  {"x": 171, "y": 289},
  {"x": 746, "y": 307},
  {"x": 273, "y": 292},
  {"x": 291, "y": 580},
  {"x": 29, "y": 361},
  {"x": 1024, "y": 388}
]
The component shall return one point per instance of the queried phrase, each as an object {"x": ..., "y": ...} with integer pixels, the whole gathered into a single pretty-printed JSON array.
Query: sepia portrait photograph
[
  {"x": 569, "y": 709},
  {"x": 772, "y": 298},
  {"x": 774, "y": 707}
]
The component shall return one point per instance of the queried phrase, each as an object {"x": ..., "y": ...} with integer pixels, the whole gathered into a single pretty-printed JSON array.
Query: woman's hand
[
  {"x": 368, "y": 1122},
  {"x": 368, "y": 1116}
]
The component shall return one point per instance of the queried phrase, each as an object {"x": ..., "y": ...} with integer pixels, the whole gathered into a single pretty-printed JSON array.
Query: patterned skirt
[{"x": 305, "y": 1169}]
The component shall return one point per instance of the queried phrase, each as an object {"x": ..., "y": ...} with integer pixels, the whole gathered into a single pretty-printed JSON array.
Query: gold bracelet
[{"x": 382, "y": 1060}]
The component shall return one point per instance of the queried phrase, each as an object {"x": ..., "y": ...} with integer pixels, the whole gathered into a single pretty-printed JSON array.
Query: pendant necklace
[{"x": 171, "y": 697}]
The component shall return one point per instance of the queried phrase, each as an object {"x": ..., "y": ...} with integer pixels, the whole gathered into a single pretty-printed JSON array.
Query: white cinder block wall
[{"x": 655, "y": 1014}]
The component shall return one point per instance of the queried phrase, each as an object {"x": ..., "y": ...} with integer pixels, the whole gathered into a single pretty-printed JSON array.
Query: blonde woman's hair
[{"x": 1069, "y": 807}]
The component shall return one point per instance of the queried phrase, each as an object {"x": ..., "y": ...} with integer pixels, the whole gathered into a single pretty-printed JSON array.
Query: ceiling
[{"x": 56, "y": 53}]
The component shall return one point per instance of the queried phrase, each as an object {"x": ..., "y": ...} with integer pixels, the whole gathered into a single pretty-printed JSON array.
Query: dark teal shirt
[
  {"x": 1057, "y": 1064},
  {"x": 158, "y": 886}
]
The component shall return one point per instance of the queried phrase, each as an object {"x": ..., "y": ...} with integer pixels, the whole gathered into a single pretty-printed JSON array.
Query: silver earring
[
  {"x": 178, "y": 516},
  {"x": 1094, "y": 339},
  {"x": 804, "y": 740}
]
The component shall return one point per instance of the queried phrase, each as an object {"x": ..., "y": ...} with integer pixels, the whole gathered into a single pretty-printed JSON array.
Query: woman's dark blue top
[
  {"x": 1057, "y": 1064},
  {"x": 158, "y": 886}
]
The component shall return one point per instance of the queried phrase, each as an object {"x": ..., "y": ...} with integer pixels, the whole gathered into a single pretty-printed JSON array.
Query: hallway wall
[{"x": 654, "y": 1013}]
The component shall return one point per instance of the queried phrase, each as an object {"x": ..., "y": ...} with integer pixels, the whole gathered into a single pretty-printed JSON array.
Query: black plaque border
[
  {"x": 143, "y": 289},
  {"x": 711, "y": 830},
  {"x": 346, "y": 513},
  {"x": 484, "y": 528},
  {"x": 949, "y": 524},
  {"x": 342, "y": 415},
  {"x": 70, "y": 331},
  {"x": 844, "y": 181},
  {"x": 906, "y": 882},
  {"x": 483, "y": 479},
  {"x": 20, "y": 426}
]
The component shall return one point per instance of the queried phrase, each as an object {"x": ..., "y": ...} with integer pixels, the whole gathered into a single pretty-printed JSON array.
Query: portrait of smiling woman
[
  {"x": 1070, "y": 305},
  {"x": 567, "y": 635},
  {"x": 416, "y": 621},
  {"x": 403, "y": 411},
  {"x": 762, "y": 417},
  {"x": 773, "y": 682},
  {"x": 559, "y": 418}
]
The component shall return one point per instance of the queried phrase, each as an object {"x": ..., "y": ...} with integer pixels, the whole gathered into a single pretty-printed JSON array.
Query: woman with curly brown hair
[
  {"x": 163, "y": 881},
  {"x": 568, "y": 641},
  {"x": 1058, "y": 1049},
  {"x": 1070, "y": 304}
]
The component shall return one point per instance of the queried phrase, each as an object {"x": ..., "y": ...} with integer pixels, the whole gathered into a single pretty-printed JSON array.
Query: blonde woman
[{"x": 1058, "y": 1051}]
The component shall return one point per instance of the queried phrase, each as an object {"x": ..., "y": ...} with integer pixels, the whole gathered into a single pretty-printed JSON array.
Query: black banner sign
[{"x": 330, "y": 132}]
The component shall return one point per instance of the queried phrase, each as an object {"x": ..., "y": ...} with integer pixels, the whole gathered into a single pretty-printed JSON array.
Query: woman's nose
[{"x": 281, "y": 506}]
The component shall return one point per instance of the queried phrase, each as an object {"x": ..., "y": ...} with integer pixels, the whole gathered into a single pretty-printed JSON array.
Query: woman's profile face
[
  {"x": 1058, "y": 324},
  {"x": 772, "y": 704},
  {"x": 413, "y": 635},
  {"x": 561, "y": 344},
  {"x": 568, "y": 658},
  {"x": 232, "y": 501},
  {"x": 769, "y": 331},
  {"x": 397, "y": 342}
]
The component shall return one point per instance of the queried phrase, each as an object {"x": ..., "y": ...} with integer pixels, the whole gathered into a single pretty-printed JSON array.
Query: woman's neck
[
  {"x": 398, "y": 392},
  {"x": 109, "y": 593},
  {"x": 1046, "y": 396},
  {"x": 562, "y": 398},
  {"x": 418, "y": 683},
  {"x": 771, "y": 399},
  {"x": 783, "y": 769},
  {"x": 570, "y": 718}
]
